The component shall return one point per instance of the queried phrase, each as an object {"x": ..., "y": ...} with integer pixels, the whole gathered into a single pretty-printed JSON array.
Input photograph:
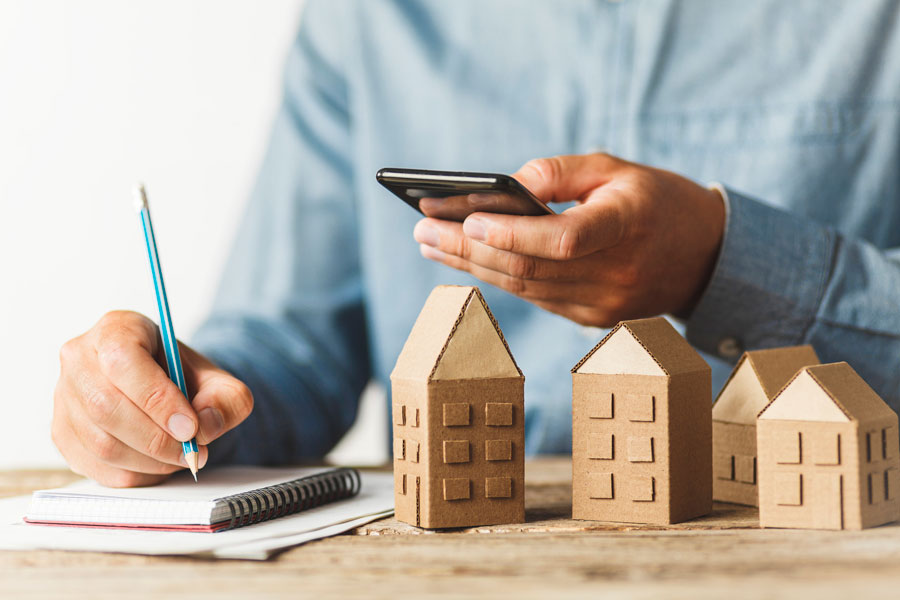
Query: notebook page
[
  {"x": 178, "y": 501},
  {"x": 212, "y": 484}
]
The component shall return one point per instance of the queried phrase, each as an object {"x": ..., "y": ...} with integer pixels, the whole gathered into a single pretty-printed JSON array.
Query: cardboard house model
[
  {"x": 828, "y": 453},
  {"x": 642, "y": 428},
  {"x": 755, "y": 380},
  {"x": 458, "y": 418}
]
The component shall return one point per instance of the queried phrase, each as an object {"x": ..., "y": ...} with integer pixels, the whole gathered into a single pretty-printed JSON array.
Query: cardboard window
[
  {"x": 745, "y": 469},
  {"x": 456, "y": 488},
  {"x": 640, "y": 449},
  {"x": 412, "y": 451},
  {"x": 788, "y": 489},
  {"x": 498, "y": 450},
  {"x": 400, "y": 482},
  {"x": 723, "y": 466},
  {"x": 456, "y": 414},
  {"x": 601, "y": 405},
  {"x": 600, "y": 486},
  {"x": 640, "y": 407},
  {"x": 787, "y": 447},
  {"x": 400, "y": 414},
  {"x": 891, "y": 483},
  {"x": 456, "y": 451},
  {"x": 642, "y": 488},
  {"x": 601, "y": 446},
  {"x": 826, "y": 448},
  {"x": 876, "y": 488},
  {"x": 414, "y": 418},
  {"x": 498, "y": 414},
  {"x": 869, "y": 446},
  {"x": 889, "y": 443},
  {"x": 399, "y": 449},
  {"x": 498, "y": 487}
]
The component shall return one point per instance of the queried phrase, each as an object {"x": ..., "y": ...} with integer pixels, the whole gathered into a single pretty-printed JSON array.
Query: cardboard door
[
  {"x": 406, "y": 497},
  {"x": 827, "y": 500}
]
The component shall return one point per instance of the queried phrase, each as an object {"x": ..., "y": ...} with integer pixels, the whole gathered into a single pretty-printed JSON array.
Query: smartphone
[{"x": 454, "y": 195}]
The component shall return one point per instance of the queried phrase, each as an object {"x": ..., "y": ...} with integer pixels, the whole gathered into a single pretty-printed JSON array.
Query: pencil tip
[
  {"x": 195, "y": 477},
  {"x": 140, "y": 197}
]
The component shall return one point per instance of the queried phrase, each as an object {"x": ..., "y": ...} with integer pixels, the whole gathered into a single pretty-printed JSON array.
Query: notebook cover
[{"x": 195, "y": 528}]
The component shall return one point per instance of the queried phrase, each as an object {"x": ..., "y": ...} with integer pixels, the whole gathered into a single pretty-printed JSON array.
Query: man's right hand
[{"x": 120, "y": 420}]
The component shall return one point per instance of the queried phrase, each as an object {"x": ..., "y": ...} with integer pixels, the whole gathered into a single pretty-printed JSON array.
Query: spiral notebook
[{"x": 224, "y": 499}]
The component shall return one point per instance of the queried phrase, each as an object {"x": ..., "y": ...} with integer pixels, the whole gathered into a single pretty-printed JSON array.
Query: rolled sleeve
[{"x": 768, "y": 282}]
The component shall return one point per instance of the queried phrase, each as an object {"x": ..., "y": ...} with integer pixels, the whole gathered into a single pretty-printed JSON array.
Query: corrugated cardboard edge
[
  {"x": 619, "y": 325},
  {"x": 477, "y": 293},
  {"x": 751, "y": 357},
  {"x": 875, "y": 409},
  {"x": 788, "y": 354},
  {"x": 473, "y": 290},
  {"x": 828, "y": 393},
  {"x": 637, "y": 337},
  {"x": 731, "y": 375},
  {"x": 776, "y": 396}
]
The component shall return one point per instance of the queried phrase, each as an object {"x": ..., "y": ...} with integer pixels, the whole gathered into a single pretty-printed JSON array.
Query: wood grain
[{"x": 723, "y": 555}]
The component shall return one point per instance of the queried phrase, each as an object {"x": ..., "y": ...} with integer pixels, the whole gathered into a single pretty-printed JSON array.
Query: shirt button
[{"x": 730, "y": 347}]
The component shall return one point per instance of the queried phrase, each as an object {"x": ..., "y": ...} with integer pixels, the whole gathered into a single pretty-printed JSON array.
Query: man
[{"x": 793, "y": 103}]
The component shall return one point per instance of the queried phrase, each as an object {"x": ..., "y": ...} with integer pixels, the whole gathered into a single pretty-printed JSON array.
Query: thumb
[
  {"x": 565, "y": 178},
  {"x": 221, "y": 401}
]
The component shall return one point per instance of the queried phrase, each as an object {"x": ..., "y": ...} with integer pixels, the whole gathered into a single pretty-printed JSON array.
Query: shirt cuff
[{"x": 768, "y": 281}]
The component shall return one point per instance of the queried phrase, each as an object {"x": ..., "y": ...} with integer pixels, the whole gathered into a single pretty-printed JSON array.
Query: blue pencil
[{"x": 170, "y": 344}]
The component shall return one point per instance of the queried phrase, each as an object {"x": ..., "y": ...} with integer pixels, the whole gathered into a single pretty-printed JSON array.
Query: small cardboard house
[
  {"x": 641, "y": 428},
  {"x": 755, "y": 380},
  {"x": 458, "y": 417},
  {"x": 828, "y": 453}
]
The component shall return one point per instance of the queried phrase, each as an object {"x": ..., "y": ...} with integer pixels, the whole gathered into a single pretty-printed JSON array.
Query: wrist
[{"x": 712, "y": 216}]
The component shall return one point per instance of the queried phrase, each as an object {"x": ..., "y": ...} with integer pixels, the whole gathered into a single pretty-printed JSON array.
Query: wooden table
[{"x": 723, "y": 555}]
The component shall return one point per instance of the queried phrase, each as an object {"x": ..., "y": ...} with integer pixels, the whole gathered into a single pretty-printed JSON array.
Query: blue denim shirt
[{"x": 793, "y": 106}]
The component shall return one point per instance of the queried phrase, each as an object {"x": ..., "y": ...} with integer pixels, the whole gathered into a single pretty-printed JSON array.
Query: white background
[{"x": 98, "y": 94}]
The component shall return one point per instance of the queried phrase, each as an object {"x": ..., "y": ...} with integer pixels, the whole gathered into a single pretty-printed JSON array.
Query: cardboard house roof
[
  {"x": 455, "y": 337},
  {"x": 642, "y": 347},
  {"x": 832, "y": 392},
  {"x": 757, "y": 377}
]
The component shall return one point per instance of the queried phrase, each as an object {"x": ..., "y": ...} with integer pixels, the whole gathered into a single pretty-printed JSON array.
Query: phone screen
[{"x": 453, "y": 195}]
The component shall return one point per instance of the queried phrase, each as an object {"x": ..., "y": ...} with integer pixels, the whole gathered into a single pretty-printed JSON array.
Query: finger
[
  {"x": 530, "y": 290},
  {"x": 448, "y": 237},
  {"x": 106, "y": 408},
  {"x": 84, "y": 463},
  {"x": 565, "y": 178},
  {"x": 125, "y": 355},
  {"x": 221, "y": 401},
  {"x": 577, "y": 232}
]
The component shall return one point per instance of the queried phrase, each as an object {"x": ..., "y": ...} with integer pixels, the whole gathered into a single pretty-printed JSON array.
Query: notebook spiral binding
[{"x": 291, "y": 497}]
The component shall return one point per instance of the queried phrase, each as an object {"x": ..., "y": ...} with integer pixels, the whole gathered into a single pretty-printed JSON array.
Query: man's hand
[
  {"x": 119, "y": 419},
  {"x": 640, "y": 241}
]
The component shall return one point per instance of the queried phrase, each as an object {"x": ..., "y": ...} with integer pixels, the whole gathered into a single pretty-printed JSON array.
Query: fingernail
[
  {"x": 473, "y": 227},
  {"x": 426, "y": 234},
  {"x": 181, "y": 427},
  {"x": 211, "y": 423},
  {"x": 204, "y": 456},
  {"x": 432, "y": 253}
]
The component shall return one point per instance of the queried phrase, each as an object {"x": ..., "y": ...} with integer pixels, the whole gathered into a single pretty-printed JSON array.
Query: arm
[
  {"x": 782, "y": 280},
  {"x": 288, "y": 319},
  {"x": 642, "y": 241}
]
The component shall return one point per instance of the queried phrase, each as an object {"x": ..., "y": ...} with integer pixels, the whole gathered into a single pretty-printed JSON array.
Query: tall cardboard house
[
  {"x": 641, "y": 428},
  {"x": 828, "y": 453},
  {"x": 757, "y": 377},
  {"x": 458, "y": 418}
]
